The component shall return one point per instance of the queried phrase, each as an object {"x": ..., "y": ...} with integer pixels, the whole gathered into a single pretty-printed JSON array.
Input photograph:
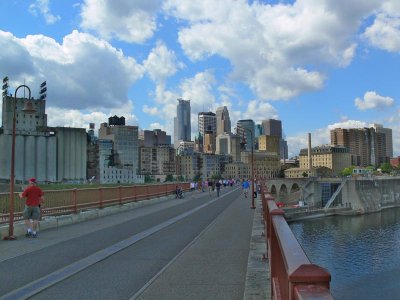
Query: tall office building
[
  {"x": 182, "y": 127},
  {"x": 272, "y": 127},
  {"x": 125, "y": 143},
  {"x": 367, "y": 147},
  {"x": 245, "y": 129},
  {"x": 223, "y": 120},
  {"x": 388, "y": 137},
  {"x": 207, "y": 122},
  {"x": 207, "y": 130}
]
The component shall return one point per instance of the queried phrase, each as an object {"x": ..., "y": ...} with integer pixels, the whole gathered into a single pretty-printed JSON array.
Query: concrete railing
[
  {"x": 61, "y": 202},
  {"x": 293, "y": 276}
]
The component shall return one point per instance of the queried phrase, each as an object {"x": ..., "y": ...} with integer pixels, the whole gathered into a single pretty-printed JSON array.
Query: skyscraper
[
  {"x": 366, "y": 146},
  {"x": 245, "y": 129},
  {"x": 207, "y": 122},
  {"x": 182, "y": 128},
  {"x": 388, "y": 137},
  {"x": 207, "y": 130},
  {"x": 223, "y": 120},
  {"x": 272, "y": 127}
]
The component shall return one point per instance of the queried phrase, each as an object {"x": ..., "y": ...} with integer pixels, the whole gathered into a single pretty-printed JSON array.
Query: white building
[{"x": 48, "y": 154}]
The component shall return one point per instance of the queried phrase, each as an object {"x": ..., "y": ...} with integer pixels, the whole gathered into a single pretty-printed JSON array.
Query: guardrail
[
  {"x": 293, "y": 276},
  {"x": 60, "y": 202}
]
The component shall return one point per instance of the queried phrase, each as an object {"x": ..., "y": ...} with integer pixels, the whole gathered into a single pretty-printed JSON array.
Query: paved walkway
[{"x": 257, "y": 276}]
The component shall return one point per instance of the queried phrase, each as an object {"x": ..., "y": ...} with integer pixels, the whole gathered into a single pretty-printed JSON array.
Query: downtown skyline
[{"x": 315, "y": 65}]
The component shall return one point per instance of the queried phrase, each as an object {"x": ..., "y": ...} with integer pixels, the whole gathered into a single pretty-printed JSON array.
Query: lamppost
[
  {"x": 28, "y": 108},
  {"x": 252, "y": 167}
]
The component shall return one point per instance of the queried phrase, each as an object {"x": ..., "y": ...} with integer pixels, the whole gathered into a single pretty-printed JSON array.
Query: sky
[{"x": 315, "y": 65}]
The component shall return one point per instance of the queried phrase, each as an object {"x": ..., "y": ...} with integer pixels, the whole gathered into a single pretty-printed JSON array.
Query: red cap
[{"x": 32, "y": 180}]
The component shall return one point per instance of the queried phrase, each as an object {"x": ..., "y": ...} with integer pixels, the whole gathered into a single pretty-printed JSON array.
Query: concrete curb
[
  {"x": 258, "y": 276},
  {"x": 63, "y": 220}
]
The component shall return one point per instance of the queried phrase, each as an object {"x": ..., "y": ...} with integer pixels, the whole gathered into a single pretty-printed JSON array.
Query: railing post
[
  {"x": 74, "y": 201},
  {"x": 120, "y": 195},
  {"x": 100, "y": 197},
  {"x": 308, "y": 277}
]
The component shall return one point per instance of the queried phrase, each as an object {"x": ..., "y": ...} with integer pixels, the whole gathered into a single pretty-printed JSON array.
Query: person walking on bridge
[
  {"x": 34, "y": 197},
  {"x": 245, "y": 187}
]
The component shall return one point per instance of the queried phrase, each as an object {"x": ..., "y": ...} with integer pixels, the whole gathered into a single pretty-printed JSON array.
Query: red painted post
[
  {"x": 74, "y": 201},
  {"x": 120, "y": 195},
  {"x": 100, "y": 197}
]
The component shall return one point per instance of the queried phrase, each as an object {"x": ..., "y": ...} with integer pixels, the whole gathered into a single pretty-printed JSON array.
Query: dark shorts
[{"x": 31, "y": 212}]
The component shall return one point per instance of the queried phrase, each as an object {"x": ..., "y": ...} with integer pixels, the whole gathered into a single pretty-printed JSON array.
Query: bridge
[
  {"x": 358, "y": 194},
  {"x": 199, "y": 247}
]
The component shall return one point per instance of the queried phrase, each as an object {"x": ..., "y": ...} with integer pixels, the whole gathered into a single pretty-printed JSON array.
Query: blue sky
[{"x": 314, "y": 64}]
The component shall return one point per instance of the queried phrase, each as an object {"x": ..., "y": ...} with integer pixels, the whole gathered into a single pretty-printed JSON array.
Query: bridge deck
[{"x": 228, "y": 251}]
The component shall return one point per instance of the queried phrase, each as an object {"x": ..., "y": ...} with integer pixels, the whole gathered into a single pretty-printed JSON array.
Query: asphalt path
[{"x": 128, "y": 259}]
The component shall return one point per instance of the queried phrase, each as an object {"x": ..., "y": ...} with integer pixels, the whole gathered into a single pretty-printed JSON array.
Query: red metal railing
[
  {"x": 60, "y": 202},
  {"x": 293, "y": 276}
]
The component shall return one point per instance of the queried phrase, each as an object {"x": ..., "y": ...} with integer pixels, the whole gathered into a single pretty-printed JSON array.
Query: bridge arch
[
  {"x": 283, "y": 192},
  {"x": 273, "y": 191},
  {"x": 295, "y": 188}
]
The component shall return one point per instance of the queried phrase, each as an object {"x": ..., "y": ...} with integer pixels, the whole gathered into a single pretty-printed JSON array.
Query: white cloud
[
  {"x": 81, "y": 73},
  {"x": 153, "y": 111},
  {"x": 42, "y": 7},
  {"x": 373, "y": 101},
  {"x": 161, "y": 63},
  {"x": 320, "y": 136},
  {"x": 274, "y": 49},
  {"x": 81, "y": 119},
  {"x": 258, "y": 111},
  {"x": 384, "y": 33},
  {"x": 346, "y": 124},
  {"x": 125, "y": 20}
]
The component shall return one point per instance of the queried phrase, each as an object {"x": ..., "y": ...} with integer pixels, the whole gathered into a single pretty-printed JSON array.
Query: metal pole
[
  {"x": 12, "y": 172},
  {"x": 252, "y": 171},
  {"x": 11, "y": 213}
]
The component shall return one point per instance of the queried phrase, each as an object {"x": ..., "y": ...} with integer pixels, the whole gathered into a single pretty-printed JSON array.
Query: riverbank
[{"x": 304, "y": 213}]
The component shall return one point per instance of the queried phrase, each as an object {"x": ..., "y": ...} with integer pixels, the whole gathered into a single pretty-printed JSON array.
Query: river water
[{"x": 362, "y": 253}]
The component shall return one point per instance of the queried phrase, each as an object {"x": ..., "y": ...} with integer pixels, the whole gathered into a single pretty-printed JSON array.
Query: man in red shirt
[{"x": 34, "y": 197}]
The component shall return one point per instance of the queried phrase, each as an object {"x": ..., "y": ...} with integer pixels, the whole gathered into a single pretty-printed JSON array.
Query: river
[{"x": 362, "y": 253}]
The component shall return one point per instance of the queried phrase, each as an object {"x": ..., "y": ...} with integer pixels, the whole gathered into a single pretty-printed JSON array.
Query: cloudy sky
[{"x": 314, "y": 64}]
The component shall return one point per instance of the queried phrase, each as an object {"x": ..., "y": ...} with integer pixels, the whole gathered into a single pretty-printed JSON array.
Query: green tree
[
  {"x": 197, "y": 178},
  {"x": 305, "y": 174},
  {"x": 148, "y": 179},
  {"x": 386, "y": 168},
  {"x": 281, "y": 174},
  {"x": 169, "y": 177},
  {"x": 216, "y": 176},
  {"x": 180, "y": 178},
  {"x": 347, "y": 171}
]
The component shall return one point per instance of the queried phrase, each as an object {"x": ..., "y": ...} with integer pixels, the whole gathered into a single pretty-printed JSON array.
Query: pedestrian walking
[
  {"x": 245, "y": 187},
  {"x": 34, "y": 199},
  {"x": 218, "y": 187}
]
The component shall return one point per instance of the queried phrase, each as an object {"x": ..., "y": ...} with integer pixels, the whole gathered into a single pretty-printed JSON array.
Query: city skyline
[{"x": 314, "y": 65}]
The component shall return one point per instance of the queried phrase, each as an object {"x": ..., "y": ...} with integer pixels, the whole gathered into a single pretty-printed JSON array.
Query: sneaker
[
  {"x": 28, "y": 234},
  {"x": 34, "y": 235}
]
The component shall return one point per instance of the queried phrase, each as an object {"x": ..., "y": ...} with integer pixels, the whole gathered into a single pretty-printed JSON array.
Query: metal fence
[
  {"x": 293, "y": 276},
  {"x": 60, "y": 202}
]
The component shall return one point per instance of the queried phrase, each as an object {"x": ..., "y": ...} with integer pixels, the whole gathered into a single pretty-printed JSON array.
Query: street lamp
[
  {"x": 28, "y": 108},
  {"x": 252, "y": 166}
]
